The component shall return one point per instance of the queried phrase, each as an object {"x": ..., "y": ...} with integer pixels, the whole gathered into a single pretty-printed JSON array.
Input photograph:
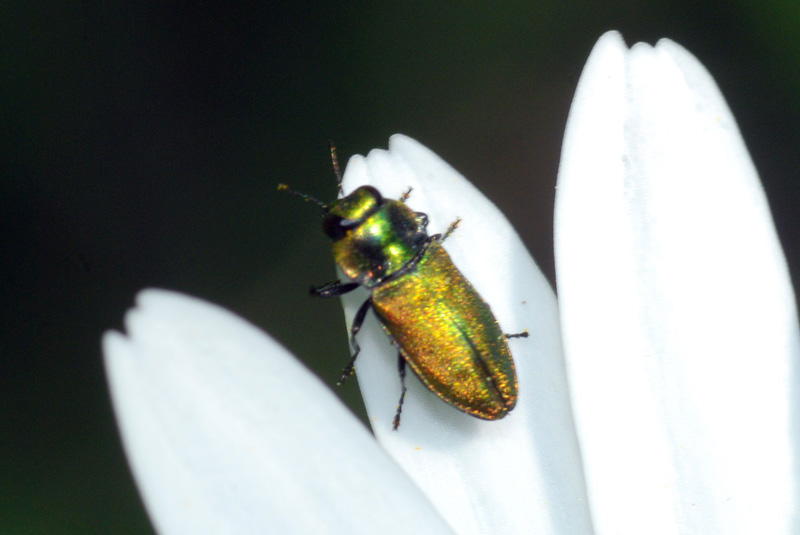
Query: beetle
[{"x": 439, "y": 323}]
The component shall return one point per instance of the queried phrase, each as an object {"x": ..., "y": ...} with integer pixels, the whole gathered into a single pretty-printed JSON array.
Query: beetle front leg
[
  {"x": 453, "y": 226},
  {"x": 358, "y": 321},
  {"x": 332, "y": 289},
  {"x": 406, "y": 194},
  {"x": 401, "y": 368}
]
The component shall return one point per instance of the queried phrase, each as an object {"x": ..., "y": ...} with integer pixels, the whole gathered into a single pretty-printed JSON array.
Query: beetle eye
[{"x": 334, "y": 226}]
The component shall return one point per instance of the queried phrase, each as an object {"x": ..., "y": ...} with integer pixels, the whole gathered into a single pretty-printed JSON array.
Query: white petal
[
  {"x": 679, "y": 322},
  {"x": 517, "y": 475},
  {"x": 227, "y": 433}
]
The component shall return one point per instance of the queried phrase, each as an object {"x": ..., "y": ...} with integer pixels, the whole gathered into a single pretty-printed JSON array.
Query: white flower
[
  {"x": 679, "y": 324},
  {"x": 680, "y": 337}
]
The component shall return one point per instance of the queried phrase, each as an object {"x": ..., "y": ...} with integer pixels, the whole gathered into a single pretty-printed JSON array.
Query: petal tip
[{"x": 611, "y": 38}]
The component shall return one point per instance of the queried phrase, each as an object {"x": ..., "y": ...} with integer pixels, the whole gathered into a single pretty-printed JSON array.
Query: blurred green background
[{"x": 142, "y": 143}]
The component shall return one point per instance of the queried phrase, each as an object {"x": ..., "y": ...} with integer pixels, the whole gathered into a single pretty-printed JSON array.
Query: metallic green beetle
[{"x": 442, "y": 328}]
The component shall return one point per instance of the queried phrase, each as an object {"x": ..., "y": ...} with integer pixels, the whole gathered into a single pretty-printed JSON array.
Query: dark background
[{"x": 142, "y": 144}]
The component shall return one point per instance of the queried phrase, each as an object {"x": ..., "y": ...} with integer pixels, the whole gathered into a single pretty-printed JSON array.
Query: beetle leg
[
  {"x": 358, "y": 321},
  {"x": 453, "y": 226},
  {"x": 332, "y": 289},
  {"x": 401, "y": 368},
  {"x": 523, "y": 334},
  {"x": 406, "y": 194}
]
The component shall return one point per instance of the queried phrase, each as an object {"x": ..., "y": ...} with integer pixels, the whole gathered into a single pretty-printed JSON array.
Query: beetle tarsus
[
  {"x": 349, "y": 369},
  {"x": 401, "y": 368},
  {"x": 358, "y": 321},
  {"x": 523, "y": 334}
]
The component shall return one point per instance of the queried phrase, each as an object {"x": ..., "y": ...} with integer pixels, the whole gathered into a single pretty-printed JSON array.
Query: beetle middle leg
[
  {"x": 401, "y": 368},
  {"x": 441, "y": 237}
]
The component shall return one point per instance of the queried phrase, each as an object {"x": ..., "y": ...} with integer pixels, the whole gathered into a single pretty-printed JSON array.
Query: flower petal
[
  {"x": 227, "y": 433},
  {"x": 521, "y": 474},
  {"x": 680, "y": 328}
]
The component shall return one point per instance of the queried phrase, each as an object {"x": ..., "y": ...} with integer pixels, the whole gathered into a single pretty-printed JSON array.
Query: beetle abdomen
[{"x": 449, "y": 336}]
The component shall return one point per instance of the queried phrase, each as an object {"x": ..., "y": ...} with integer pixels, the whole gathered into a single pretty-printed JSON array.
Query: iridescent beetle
[{"x": 442, "y": 328}]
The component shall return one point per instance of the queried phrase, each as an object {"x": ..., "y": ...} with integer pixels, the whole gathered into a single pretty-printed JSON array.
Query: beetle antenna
[
  {"x": 335, "y": 162},
  {"x": 304, "y": 196}
]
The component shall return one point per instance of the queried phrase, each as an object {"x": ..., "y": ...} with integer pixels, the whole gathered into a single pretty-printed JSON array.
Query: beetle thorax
[{"x": 381, "y": 243}]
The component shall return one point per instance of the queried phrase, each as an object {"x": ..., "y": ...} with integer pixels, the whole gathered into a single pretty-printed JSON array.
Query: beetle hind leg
[
  {"x": 358, "y": 321},
  {"x": 523, "y": 334},
  {"x": 401, "y": 368}
]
